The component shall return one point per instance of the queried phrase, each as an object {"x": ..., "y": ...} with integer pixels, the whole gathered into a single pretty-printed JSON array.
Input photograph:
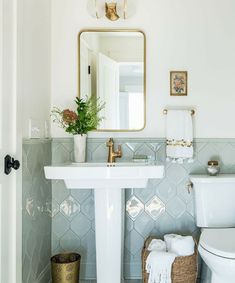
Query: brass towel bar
[{"x": 165, "y": 111}]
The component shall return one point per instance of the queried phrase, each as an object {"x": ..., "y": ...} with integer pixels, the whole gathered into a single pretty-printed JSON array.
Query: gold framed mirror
[{"x": 112, "y": 67}]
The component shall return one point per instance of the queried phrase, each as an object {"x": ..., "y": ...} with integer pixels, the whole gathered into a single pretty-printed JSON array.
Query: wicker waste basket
[
  {"x": 184, "y": 268},
  {"x": 65, "y": 268}
]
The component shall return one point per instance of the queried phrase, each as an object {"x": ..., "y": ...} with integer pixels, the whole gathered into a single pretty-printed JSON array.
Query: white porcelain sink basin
[
  {"x": 105, "y": 175},
  {"x": 108, "y": 181}
]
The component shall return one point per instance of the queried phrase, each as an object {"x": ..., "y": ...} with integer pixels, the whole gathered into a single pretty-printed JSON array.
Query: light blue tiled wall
[
  {"x": 164, "y": 206},
  {"x": 36, "y": 212}
]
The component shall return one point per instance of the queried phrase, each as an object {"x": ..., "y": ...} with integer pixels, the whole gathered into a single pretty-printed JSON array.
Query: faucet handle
[
  {"x": 110, "y": 142},
  {"x": 119, "y": 152}
]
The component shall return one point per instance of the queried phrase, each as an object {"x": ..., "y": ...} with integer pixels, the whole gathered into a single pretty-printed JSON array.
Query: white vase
[{"x": 79, "y": 148}]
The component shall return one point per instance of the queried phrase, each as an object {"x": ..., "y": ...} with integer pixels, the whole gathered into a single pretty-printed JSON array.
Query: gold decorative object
[
  {"x": 65, "y": 268},
  {"x": 112, "y": 155},
  {"x": 113, "y": 31},
  {"x": 178, "y": 83},
  {"x": 111, "y": 11}
]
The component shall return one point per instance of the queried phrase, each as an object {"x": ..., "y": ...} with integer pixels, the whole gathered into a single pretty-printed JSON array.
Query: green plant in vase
[{"x": 78, "y": 123}]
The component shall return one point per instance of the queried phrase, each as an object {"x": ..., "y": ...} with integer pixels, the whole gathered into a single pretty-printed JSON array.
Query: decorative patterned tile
[
  {"x": 165, "y": 224},
  {"x": 155, "y": 207},
  {"x": 172, "y": 211},
  {"x": 70, "y": 242},
  {"x": 129, "y": 224},
  {"x": 144, "y": 225},
  {"x": 134, "y": 242},
  {"x": 176, "y": 207},
  {"x": 55, "y": 208},
  {"x": 81, "y": 225},
  {"x": 80, "y": 195},
  {"x": 175, "y": 173},
  {"x": 166, "y": 190},
  {"x": 69, "y": 207},
  {"x": 88, "y": 208},
  {"x": 134, "y": 207},
  {"x": 60, "y": 225},
  {"x": 37, "y": 207},
  {"x": 59, "y": 191},
  {"x": 144, "y": 194}
]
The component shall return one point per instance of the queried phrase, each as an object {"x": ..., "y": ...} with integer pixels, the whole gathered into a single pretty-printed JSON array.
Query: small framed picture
[{"x": 179, "y": 83}]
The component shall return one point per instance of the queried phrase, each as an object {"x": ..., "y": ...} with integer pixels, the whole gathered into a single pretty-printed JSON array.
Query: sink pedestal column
[{"x": 109, "y": 230}]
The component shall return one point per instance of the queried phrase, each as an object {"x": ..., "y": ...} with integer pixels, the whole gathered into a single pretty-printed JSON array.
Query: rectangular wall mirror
[{"x": 112, "y": 68}]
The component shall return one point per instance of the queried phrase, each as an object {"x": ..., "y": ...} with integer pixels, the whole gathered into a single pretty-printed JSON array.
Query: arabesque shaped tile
[
  {"x": 134, "y": 242},
  {"x": 144, "y": 194},
  {"x": 129, "y": 224},
  {"x": 165, "y": 224},
  {"x": 80, "y": 195},
  {"x": 100, "y": 153},
  {"x": 80, "y": 225},
  {"x": 144, "y": 225},
  {"x": 60, "y": 225},
  {"x": 191, "y": 208},
  {"x": 70, "y": 241},
  {"x": 176, "y": 207},
  {"x": 69, "y": 207},
  {"x": 133, "y": 146},
  {"x": 61, "y": 155},
  {"x": 59, "y": 191},
  {"x": 55, "y": 208},
  {"x": 228, "y": 155},
  {"x": 88, "y": 208},
  {"x": 166, "y": 190},
  {"x": 175, "y": 173},
  {"x": 55, "y": 241},
  {"x": 88, "y": 245},
  {"x": 134, "y": 207},
  {"x": 183, "y": 192},
  {"x": 185, "y": 224},
  {"x": 207, "y": 153},
  {"x": 155, "y": 207},
  {"x": 144, "y": 149}
]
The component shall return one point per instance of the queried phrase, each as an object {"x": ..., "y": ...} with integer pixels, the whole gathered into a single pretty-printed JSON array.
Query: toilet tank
[{"x": 214, "y": 200}]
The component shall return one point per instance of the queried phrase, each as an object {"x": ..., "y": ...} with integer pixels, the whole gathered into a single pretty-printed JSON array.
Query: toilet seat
[{"x": 220, "y": 241}]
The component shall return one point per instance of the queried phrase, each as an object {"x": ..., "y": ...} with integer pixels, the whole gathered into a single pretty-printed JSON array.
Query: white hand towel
[
  {"x": 157, "y": 245},
  {"x": 168, "y": 239},
  {"x": 180, "y": 245},
  {"x": 179, "y": 135},
  {"x": 158, "y": 265}
]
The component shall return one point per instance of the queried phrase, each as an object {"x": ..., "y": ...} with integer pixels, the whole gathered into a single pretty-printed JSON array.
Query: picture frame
[{"x": 178, "y": 83}]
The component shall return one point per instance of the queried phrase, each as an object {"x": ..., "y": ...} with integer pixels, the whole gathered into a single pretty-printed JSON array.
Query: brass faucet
[{"x": 113, "y": 154}]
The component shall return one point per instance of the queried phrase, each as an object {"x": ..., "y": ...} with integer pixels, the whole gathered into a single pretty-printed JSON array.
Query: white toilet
[{"x": 215, "y": 214}]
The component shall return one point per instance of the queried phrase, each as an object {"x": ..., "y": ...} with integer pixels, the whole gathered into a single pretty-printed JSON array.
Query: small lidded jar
[{"x": 213, "y": 167}]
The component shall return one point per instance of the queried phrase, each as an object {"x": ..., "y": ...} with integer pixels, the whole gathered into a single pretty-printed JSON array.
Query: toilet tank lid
[
  {"x": 221, "y": 178},
  {"x": 220, "y": 242}
]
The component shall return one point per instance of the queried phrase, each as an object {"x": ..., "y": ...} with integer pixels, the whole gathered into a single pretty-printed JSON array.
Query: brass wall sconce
[{"x": 113, "y": 10}]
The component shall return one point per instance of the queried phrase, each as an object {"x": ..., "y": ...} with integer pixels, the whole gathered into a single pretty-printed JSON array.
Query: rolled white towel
[
  {"x": 157, "y": 245},
  {"x": 158, "y": 265},
  {"x": 181, "y": 245},
  {"x": 168, "y": 239}
]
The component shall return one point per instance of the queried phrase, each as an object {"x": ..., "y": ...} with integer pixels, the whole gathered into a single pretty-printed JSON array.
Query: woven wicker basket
[{"x": 184, "y": 268}]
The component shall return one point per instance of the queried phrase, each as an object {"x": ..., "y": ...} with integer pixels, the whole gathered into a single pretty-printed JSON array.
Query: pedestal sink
[{"x": 108, "y": 181}]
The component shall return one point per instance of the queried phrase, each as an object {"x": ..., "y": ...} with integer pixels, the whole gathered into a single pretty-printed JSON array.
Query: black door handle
[{"x": 10, "y": 163}]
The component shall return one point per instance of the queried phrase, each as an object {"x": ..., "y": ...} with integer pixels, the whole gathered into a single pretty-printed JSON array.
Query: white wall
[
  {"x": 34, "y": 39},
  {"x": 193, "y": 35}
]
